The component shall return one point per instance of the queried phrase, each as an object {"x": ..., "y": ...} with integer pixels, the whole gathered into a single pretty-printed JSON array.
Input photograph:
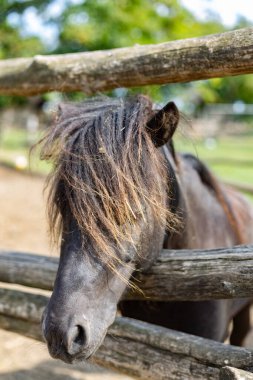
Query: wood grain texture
[
  {"x": 218, "y": 55},
  {"x": 26, "y": 269},
  {"x": 176, "y": 275},
  {"x": 136, "y": 348},
  {"x": 229, "y": 373}
]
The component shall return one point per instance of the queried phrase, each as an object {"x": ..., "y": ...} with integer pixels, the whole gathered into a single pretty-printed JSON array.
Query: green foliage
[
  {"x": 97, "y": 25},
  {"x": 12, "y": 45},
  {"x": 107, "y": 24},
  {"x": 19, "y": 6},
  {"x": 227, "y": 90}
]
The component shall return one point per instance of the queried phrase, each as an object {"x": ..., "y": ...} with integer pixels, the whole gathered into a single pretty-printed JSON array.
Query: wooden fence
[
  {"x": 133, "y": 347},
  {"x": 177, "y": 275},
  {"x": 137, "y": 348}
]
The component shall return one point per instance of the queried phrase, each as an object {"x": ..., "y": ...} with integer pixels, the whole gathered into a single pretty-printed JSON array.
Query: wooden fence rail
[
  {"x": 206, "y": 57},
  {"x": 139, "y": 349},
  {"x": 229, "y": 373},
  {"x": 176, "y": 275}
]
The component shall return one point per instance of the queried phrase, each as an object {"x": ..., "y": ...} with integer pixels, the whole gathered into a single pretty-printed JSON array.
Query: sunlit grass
[
  {"x": 15, "y": 146},
  {"x": 230, "y": 158}
]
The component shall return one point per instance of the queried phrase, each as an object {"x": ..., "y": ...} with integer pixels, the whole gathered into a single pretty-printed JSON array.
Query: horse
[{"x": 118, "y": 194}]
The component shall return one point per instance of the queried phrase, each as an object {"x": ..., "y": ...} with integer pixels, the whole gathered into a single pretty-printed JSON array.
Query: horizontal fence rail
[
  {"x": 229, "y": 373},
  {"x": 176, "y": 275},
  {"x": 139, "y": 349},
  {"x": 217, "y": 55}
]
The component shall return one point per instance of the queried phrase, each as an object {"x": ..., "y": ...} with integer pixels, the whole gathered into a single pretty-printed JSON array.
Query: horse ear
[
  {"x": 163, "y": 124},
  {"x": 62, "y": 111},
  {"x": 66, "y": 110}
]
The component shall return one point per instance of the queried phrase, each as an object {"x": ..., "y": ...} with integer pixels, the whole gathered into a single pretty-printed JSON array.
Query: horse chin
[
  {"x": 72, "y": 359},
  {"x": 76, "y": 359}
]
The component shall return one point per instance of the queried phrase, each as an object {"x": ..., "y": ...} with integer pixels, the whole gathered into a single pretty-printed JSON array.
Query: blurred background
[
  {"x": 217, "y": 122},
  {"x": 218, "y": 112}
]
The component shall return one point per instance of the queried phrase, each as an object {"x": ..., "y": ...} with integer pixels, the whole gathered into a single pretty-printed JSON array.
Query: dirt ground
[{"x": 23, "y": 228}]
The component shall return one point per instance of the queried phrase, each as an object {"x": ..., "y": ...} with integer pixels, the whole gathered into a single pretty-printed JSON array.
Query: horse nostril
[
  {"x": 79, "y": 337},
  {"x": 77, "y": 340}
]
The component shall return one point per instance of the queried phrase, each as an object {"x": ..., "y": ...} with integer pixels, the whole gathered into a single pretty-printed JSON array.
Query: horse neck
[
  {"x": 176, "y": 201},
  {"x": 201, "y": 204}
]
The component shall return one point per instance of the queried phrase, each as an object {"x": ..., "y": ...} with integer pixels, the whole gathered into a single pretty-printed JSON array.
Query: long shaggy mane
[{"x": 107, "y": 172}]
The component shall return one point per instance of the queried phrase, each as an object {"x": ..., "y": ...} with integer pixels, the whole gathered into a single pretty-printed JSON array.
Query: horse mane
[
  {"x": 209, "y": 180},
  {"x": 107, "y": 173}
]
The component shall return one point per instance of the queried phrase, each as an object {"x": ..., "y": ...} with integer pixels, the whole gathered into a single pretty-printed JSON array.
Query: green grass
[
  {"x": 15, "y": 143},
  {"x": 231, "y": 159},
  {"x": 14, "y": 139},
  {"x": 237, "y": 149}
]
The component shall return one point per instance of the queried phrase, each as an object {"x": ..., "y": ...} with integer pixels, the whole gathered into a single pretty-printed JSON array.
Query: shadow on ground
[{"x": 59, "y": 371}]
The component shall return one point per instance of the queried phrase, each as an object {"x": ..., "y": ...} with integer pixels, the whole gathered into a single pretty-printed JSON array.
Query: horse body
[
  {"x": 113, "y": 177},
  {"x": 205, "y": 225}
]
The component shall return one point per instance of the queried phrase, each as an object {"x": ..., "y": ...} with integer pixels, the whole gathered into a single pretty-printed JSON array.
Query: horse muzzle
[{"x": 67, "y": 340}]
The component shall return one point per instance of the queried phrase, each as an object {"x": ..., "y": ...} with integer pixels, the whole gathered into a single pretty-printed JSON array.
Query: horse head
[{"x": 107, "y": 203}]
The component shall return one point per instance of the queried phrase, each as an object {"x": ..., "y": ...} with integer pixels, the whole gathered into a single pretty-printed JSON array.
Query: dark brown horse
[{"x": 118, "y": 195}]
